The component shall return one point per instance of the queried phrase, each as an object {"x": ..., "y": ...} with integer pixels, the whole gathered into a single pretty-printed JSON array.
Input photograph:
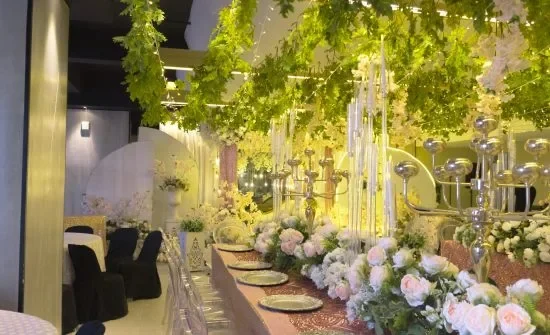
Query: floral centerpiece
[
  {"x": 525, "y": 241},
  {"x": 408, "y": 292},
  {"x": 173, "y": 180}
]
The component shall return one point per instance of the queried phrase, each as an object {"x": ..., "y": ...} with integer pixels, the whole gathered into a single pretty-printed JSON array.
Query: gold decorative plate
[
  {"x": 234, "y": 247},
  {"x": 250, "y": 265},
  {"x": 263, "y": 278},
  {"x": 290, "y": 303}
]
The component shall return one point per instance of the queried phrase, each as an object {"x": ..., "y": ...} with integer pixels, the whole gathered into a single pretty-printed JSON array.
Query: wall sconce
[{"x": 85, "y": 129}]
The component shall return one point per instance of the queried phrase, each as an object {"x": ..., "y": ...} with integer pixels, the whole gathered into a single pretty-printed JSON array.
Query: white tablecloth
[
  {"x": 93, "y": 242},
  {"x": 13, "y": 323}
]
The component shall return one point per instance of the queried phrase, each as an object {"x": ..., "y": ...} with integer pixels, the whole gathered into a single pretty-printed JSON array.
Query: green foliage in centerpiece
[{"x": 192, "y": 226}]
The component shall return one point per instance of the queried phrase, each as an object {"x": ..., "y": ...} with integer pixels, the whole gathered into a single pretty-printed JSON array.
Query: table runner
[
  {"x": 252, "y": 319},
  {"x": 502, "y": 271}
]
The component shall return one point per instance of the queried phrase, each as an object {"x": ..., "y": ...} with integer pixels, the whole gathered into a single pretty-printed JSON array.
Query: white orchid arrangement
[
  {"x": 403, "y": 289},
  {"x": 524, "y": 241}
]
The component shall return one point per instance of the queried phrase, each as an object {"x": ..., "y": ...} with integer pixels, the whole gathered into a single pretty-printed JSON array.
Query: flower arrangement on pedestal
[{"x": 173, "y": 181}]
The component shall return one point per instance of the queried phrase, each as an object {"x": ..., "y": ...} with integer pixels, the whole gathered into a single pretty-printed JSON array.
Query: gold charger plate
[
  {"x": 250, "y": 265},
  {"x": 290, "y": 303},
  {"x": 234, "y": 247},
  {"x": 263, "y": 278}
]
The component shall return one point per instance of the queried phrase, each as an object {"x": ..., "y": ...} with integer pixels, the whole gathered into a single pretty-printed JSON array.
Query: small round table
[
  {"x": 93, "y": 242},
  {"x": 22, "y": 324}
]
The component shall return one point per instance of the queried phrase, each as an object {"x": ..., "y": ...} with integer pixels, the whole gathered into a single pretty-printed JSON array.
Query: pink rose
[
  {"x": 288, "y": 247},
  {"x": 309, "y": 249},
  {"x": 415, "y": 289},
  {"x": 376, "y": 256},
  {"x": 454, "y": 311},
  {"x": 343, "y": 290},
  {"x": 319, "y": 243},
  {"x": 512, "y": 319}
]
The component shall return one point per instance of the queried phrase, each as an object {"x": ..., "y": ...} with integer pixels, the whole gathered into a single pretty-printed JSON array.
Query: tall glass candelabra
[
  {"x": 494, "y": 181},
  {"x": 309, "y": 178}
]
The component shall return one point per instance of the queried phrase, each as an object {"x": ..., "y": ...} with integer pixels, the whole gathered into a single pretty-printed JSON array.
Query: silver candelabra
[
  {"x": 310, "y": 178},
  {"x": 494, "y": 182}
]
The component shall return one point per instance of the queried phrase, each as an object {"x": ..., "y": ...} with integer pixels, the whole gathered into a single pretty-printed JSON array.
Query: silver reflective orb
[
  {"x": 406, "y": 169},
  {"x": 504, "y": 177},
  {"x": 485, "y": 125},
  {"x": 473, "y": 143},
  {"x": 440, "y": 174},
  {"x": 545, "y": 172},
  {"x": 294, "y": 162},
  {"x": 309, "y": 152},
  {"x": 458, "y": 167},
  {"x": 537, "y": 146},
  {"x": 324, "y": 162},
  {"x": 491, "y": 146},
  {"x": 434, "y": 146},
  {"x": 526, "y": 173}
]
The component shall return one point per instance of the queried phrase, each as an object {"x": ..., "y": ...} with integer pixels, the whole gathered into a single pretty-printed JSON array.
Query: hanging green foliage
[
  {"x": 232, "y": 37},
  {"x": 144, "y": 72}
]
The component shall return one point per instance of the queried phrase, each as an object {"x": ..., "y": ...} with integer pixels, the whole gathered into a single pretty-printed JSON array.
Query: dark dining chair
[
  {"x": 91, "y": 328},
  {"x": 121, "y": 248},
  {"x": 141, "y": 278},
  {"x": 80, "y": 229},
  {"x": 99, "y": 295}
]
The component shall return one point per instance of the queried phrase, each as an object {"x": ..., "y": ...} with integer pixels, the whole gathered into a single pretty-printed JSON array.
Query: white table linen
[
  {"x": 22, "y": 324},
  {"x": 93, "y": 242}
]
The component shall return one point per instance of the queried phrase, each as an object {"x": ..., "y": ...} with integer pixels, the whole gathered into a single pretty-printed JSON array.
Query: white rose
[
  {"x": 415, "y": 289},
  {"x": 515, "y": 240},
  {"x": 506, "y": 226},
  {"x": 507, "y": 244},
  {"x": 528, "y": 254},
  {"x": 515, "y": 224},
  {"x": 376, "y": 256},
  {"x": 378, "y": 275},
  {"x": 484, "y": 293},
  {"x": 526, "y": 288},
  {"x": 402, "y": 258},
  {"x": 511, "y": 256},
  {"x": 512, "y": 319},
  {"x": 491, "y": 239},
  {"x": 500, "y": 247},
  {"x": 433, "y": 264},
  {"x": 480, "y": 320},
  {"x": 545, "y": 256},
  {"x": 465, "y": 280},
  {"x": 309, "y": 249},
  {"x": 544, "y": 247},
  {"x": 454, "y": 312},
  {"x": 388, "y": 243}
]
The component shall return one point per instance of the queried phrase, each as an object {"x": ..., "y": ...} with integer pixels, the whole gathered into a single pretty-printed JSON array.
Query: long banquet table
[{"x": 252, "y": 319}]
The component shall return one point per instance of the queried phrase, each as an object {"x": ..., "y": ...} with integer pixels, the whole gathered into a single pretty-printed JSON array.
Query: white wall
[
  {"x": 109, "y": 132},
  {"x": 13, "y": 21}
]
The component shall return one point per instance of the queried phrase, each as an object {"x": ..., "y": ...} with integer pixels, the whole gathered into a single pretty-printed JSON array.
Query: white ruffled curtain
[{"x": 205, "y": 155}]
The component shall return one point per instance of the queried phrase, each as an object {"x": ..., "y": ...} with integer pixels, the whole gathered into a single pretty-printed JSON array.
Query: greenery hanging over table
[
  {"x": 144, "y": 80},
  {"x": 432, "y": 58}
]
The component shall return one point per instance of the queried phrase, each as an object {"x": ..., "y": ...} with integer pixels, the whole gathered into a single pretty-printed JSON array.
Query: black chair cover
[
  {"x": 521, "y": 198},
  {"x": 69, "y": 320},
  {"x": 141, "y": 277},
  {"x": 91, "y": 328},
  {"x": 121, "y": 247},
  {"x": 80, "y": 229},
  {"x": 99, "y": 295}
]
